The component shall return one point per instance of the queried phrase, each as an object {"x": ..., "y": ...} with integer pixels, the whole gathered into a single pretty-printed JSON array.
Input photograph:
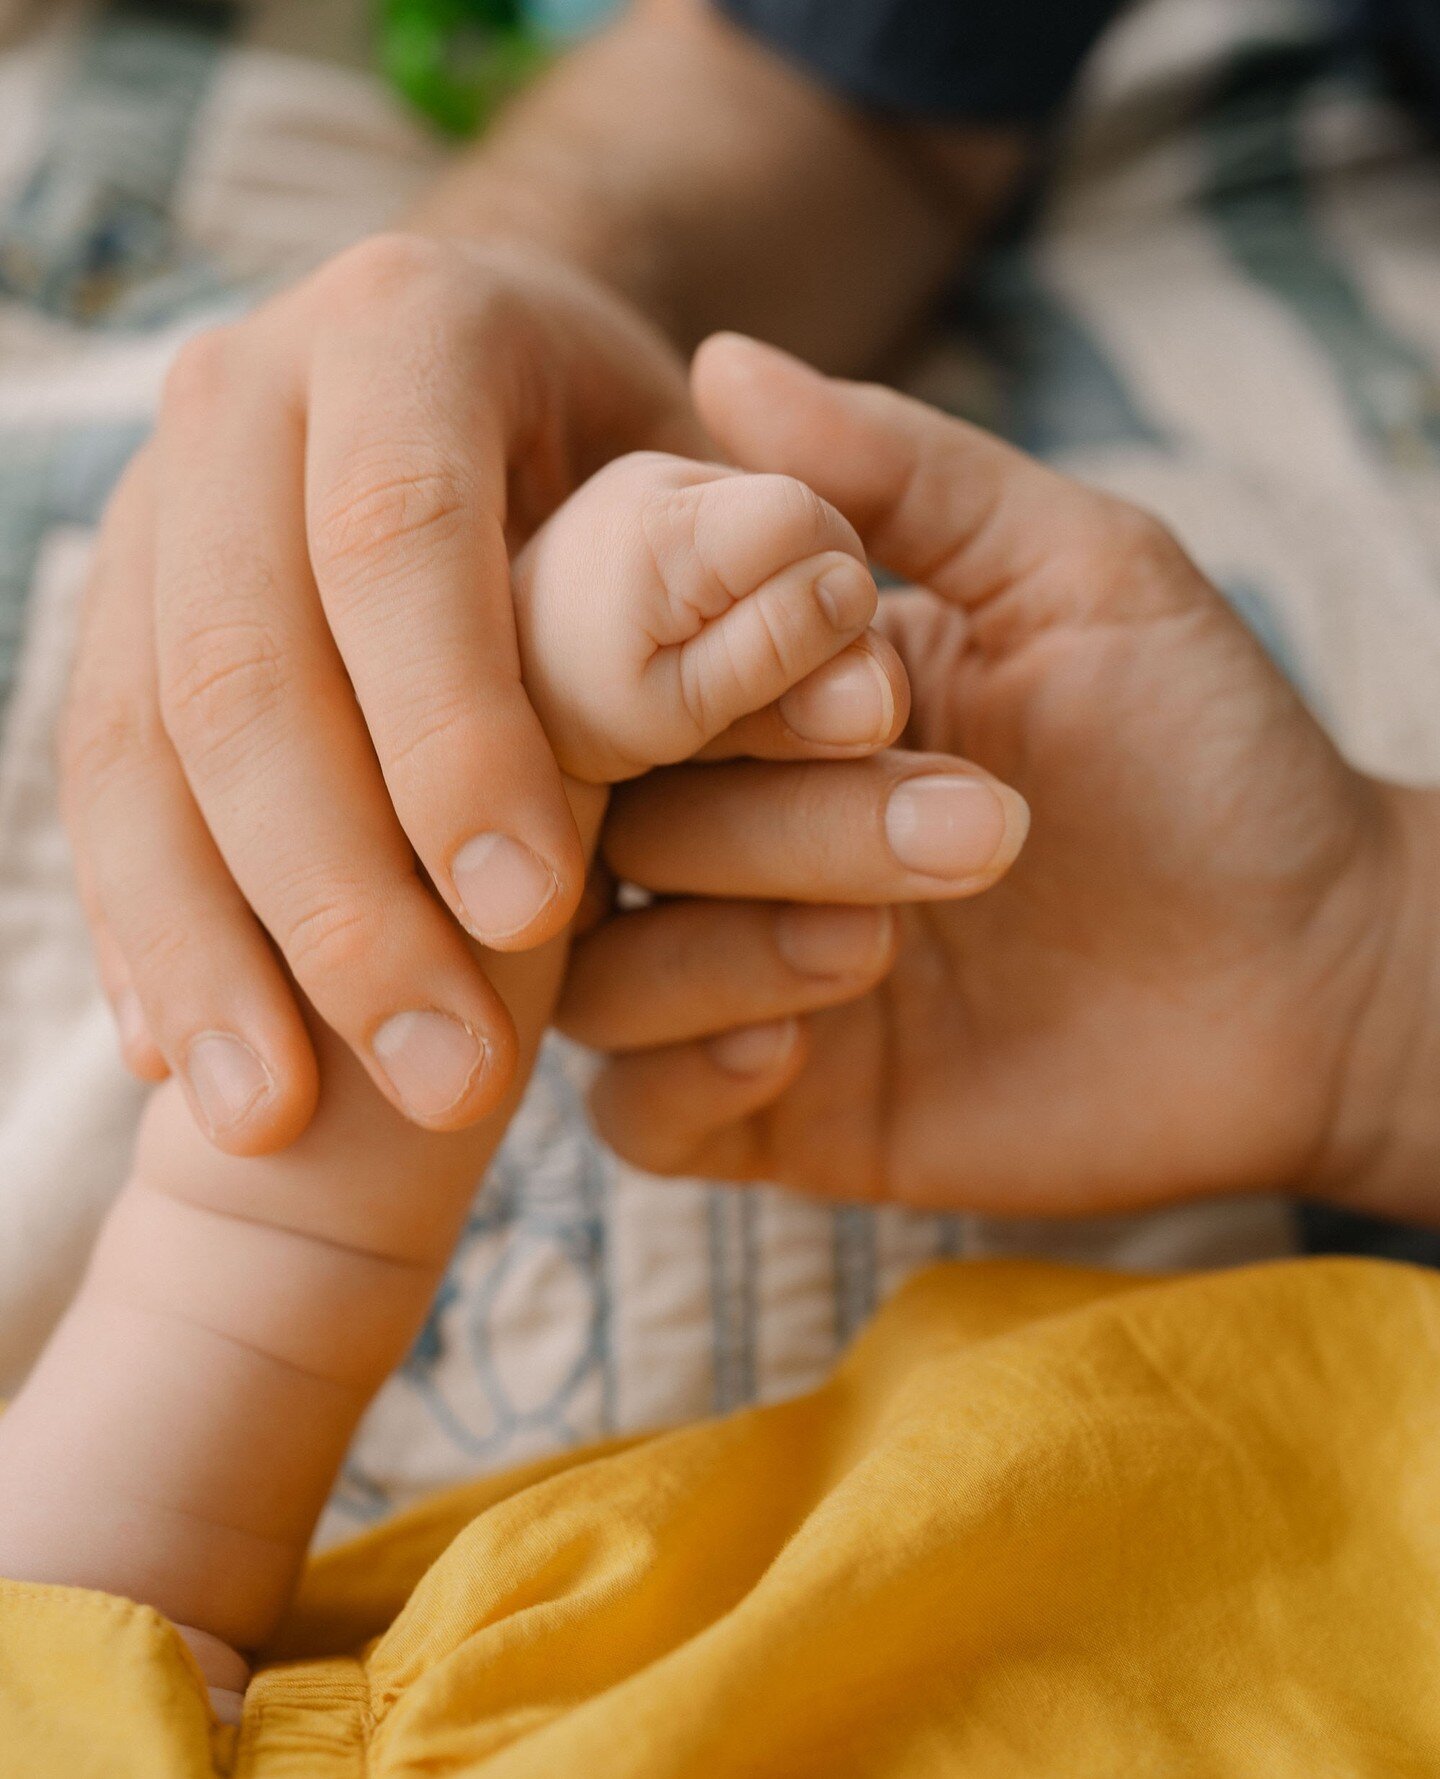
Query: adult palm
[{"x": 1162, "y": 998}]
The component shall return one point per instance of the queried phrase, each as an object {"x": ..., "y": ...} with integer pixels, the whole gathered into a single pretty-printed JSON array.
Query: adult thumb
[{"x": 936, "y": 500}]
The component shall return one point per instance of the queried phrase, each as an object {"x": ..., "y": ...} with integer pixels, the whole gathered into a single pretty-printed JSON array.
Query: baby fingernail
[
  {"x": 847, "y": 592},
  {"x": 833, "y": 941},
  {"x": 755, "y": 1049},
  {"x": 503, "y": 886},
  {"x": 845, "y": 704},
  {"x": 430, "y": 1060},
  {"x": 947, "y": 825},
  {"x": 227, "y": 1079}
]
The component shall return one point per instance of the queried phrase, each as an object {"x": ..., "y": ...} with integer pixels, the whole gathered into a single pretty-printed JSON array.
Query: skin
[
  {"x": 181, "y": 1432},
  {"x": 1266, "y": 933},
  {"x": 1223, "y": 989},
  {"x": 1215, "y": 968},
  {"x": 297, "y": 700}
]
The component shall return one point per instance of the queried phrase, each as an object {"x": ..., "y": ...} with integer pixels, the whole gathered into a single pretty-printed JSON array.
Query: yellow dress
[{"x": 1041, "y": 1522}]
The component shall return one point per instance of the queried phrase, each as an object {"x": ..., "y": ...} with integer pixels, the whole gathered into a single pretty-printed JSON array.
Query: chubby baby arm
[{"x": 177, "y": 1439}]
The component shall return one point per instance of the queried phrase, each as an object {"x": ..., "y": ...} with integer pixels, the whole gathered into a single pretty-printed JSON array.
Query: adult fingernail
[
  {"x": 952, "y": 826},
  {"x": 503, "y": 886},
  {"x": 430, "y": 1060},
  {"x": 847, "y": 592},
  {"x": 843, "y": 705},
  {"x": 227, "y": 1078},
  {"x": 755, "y": 1049},
  {"x": 833, "y": 941}
]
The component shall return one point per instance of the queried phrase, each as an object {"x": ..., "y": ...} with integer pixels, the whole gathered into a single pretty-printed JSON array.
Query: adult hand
[
  {"x": 298, "y": 676},
  {"x": 1161, "y": 999}
]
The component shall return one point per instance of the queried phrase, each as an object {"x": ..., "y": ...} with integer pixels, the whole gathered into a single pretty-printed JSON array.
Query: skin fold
[
  {"x": 1213, "y": 969},
  {"x": 1203, "y": 992},
  {"x": 297, "y": 672},
  {"x": 179, "y": 1435}
]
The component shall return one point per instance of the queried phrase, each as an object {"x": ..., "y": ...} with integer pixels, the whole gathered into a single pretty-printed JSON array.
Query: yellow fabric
[{"x": 1041, "y": 1522}]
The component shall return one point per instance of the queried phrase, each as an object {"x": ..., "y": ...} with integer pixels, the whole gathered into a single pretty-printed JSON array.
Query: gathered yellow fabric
[{"x": 1040, "y": 1522}]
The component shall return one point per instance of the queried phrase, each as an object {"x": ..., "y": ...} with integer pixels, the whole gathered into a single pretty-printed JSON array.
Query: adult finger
[
  {"x": 138, "y": 1050},
  {"x": 854, "y": 705},
  {"x": 935, "y": 499},
  {"x": 897, "y": 827},
  {"x": 117, "y": 538},
  {"x": 263, "y": 717},
  {"x": 688, "y": 969},
  {"x": 697, "y": 1108},
  {"x": 406, "y": 478},
  {"x": 195, "y": 983}
]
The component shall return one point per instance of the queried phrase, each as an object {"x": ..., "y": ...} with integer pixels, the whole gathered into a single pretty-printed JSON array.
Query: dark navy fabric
[
  {"x": 1014, "y": 61},
  {"x": 1000, "y": 60},
  {"x": 1410, "y": 35}
]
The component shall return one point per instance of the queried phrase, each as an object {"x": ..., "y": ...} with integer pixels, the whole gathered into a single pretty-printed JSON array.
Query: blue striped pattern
[{"x": 91, "y": 237}]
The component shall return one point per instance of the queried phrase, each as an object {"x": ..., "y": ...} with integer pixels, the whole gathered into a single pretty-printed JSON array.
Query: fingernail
[
  {"x": 503, "y": 886},
  {"x": 227, "y": 1079},
  {"x": 430, "y": 1059},
  {"x": 227, "y": 1704},
  {"x": 130, "y": 1021},
  {"x": 950, "y": 826},
  {"x": 847, "y": 592},
  {"x": 833, "y": 941},
  {"x": 755, "y": 1049},
  {"x": 843, "y": 705}
]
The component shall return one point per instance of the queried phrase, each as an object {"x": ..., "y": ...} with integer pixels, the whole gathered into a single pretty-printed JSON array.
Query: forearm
[
  {"x": 180, "y": 1433},
  {"x": 714, "y": 187},
  {"x": 182, "y": 1430}
]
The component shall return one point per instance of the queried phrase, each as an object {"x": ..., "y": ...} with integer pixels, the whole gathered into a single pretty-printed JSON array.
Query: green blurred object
[{"x": 459, "y": 60}]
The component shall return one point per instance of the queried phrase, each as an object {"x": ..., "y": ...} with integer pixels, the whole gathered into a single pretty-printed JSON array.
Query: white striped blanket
[{"x": 1227, "y": 306}]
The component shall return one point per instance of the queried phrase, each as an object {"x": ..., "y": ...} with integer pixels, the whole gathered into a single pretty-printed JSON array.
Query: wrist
[
  {"x": 535, "y": 218},
  {"x": 1383, "y": 1155}
]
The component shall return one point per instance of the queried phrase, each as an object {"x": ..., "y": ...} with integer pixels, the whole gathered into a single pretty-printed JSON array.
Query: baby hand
[
  {"x": 668, "y": 601},
  {"x": 239, "y": 1313}
]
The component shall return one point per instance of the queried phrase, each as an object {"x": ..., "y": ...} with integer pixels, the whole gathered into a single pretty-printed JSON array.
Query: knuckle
[
  {"x": 743, "y": 530},
  {"x": 384, "y": 269},
  {"x": 773, "y": 650},
  {"x": 1133, "y": 549},
  {"x": 1139, "y": 537},
  {"x": 778, "y": 642},
  {"x": 436, "y": 739},
  {"x": 716, "y": 683},
  {"x": 431, "y": 287},
  {"x": 657, "y": 472},
  {"x": 796, "y": 515},
  {"x": 100, "y": 737},
  {"x": 696, "y": 686},
  {"x": 219, "y": 682},
  {"x": 713, "y": 539},
  {"x": 663, "y": 492},
  {"x": 443, "y": 294},
  {"x": 780, "y": 518},
  {"x": 201, "y": 373},
  {"x": 159, "y": 951},
  {"x": 375, "y": 511},
  {"x": 332, "y": 939}
]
